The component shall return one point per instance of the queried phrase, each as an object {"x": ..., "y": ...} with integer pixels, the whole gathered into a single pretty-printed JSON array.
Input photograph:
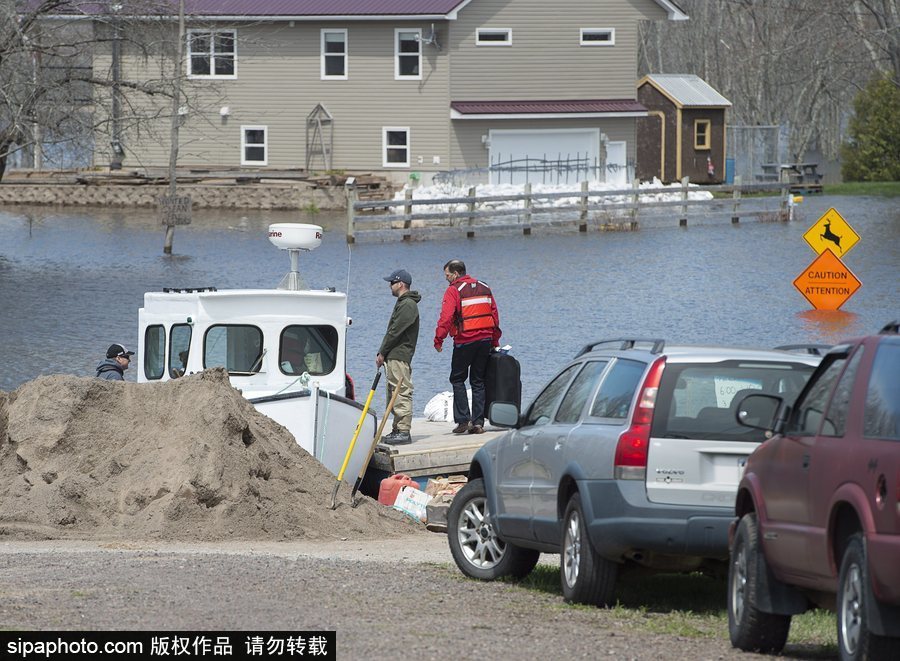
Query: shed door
[{"x": 544, "y": 155}]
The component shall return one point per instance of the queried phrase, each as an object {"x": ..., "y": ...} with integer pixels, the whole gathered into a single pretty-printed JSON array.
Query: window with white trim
[
  {"x": 212, "y": 53},
  {"x": 493, "y": 37},
  {"x": 254, "y": 145},
  {"x": 598, "y": 36},
  {"x": 395, "y": 141},
  {"x": 407, "y": 54},
  {"x": 334, "y": 54}
]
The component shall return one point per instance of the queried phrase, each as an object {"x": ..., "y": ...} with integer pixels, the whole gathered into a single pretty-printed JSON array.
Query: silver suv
[{"x": 631, "y": 455}]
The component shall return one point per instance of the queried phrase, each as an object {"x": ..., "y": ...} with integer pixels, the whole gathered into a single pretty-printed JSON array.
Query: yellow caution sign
[{"x": 831, "y": 232}]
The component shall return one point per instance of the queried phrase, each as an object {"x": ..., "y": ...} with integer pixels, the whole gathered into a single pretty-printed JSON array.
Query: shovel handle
[
  {"x": 387, "y": 412},
  {"x": 359, "y": 424}
]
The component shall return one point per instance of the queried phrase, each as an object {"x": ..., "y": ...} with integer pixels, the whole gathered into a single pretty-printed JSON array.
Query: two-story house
[{"x": 402, "y": 86}]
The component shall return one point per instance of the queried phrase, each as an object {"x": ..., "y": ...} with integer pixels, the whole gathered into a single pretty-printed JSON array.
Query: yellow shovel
[
  {"x": 387, "y": 414},
  {"x": 359, "y": 425}
]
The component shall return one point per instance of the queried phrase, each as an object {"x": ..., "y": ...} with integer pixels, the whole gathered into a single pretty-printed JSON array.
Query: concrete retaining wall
[{"x": 248, "y": 196}]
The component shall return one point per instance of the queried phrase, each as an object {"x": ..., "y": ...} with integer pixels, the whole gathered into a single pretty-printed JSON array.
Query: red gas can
[{"x": 390, "y": 488}]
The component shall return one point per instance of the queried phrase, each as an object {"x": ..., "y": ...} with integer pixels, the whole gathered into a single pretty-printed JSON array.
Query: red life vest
[{"x": 476, "y": 303}]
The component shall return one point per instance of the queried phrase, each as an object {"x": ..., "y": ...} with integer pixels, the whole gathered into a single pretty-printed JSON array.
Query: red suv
[{"x": 818, "y": 507}]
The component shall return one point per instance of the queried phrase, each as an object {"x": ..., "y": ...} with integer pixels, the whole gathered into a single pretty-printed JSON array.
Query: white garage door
[{"x": 544, "y": 156}]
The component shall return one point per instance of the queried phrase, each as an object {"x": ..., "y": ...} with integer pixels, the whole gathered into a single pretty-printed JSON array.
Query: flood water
[{"x": 72, "y": 280}]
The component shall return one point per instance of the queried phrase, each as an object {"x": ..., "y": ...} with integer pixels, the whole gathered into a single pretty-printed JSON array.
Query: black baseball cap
[
  {"x": 400, "y": 275},
  {"x": 116, "y": 350}
]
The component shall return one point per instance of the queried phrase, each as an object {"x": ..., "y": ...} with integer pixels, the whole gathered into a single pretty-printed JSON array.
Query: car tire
[
  {"x": 474, "y": 544},
  {"x": 586, "y": 577},
  {"x": 855, "y": 641},
  {"x": 751, "y": 629}
]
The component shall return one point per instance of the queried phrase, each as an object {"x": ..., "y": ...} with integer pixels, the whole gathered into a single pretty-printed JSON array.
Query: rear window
[
  {"x": 882, "y": 418},
  {"x": 617, "y": 390},
  {"x": 699, "y": 401}
]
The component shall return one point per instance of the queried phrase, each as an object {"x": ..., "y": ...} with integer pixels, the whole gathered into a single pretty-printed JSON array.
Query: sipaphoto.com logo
[{"x": 69, "y": 648}]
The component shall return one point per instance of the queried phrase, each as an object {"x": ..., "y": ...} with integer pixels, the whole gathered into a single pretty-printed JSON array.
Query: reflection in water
[
  {"x": 831, "y": 326},
  {"x": 72, "y": 280}
]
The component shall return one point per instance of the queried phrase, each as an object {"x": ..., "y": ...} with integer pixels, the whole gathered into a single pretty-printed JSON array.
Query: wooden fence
[{"x": 380, "y": 218}]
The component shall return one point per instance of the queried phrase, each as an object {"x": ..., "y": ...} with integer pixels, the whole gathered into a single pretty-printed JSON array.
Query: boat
[{"x": 283, "y": 348}]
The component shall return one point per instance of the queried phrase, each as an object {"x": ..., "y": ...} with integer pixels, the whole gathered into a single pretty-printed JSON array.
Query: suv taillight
[{"x": 634, "y": 442}]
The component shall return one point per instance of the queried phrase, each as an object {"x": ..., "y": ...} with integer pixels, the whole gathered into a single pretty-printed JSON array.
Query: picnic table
[{"x": 795, "y": 173}]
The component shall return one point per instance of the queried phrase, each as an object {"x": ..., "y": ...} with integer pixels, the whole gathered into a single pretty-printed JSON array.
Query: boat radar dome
[{"x": 294, "y": 237}]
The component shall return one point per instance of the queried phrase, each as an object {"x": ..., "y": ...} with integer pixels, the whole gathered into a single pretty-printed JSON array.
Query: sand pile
[{"x": 188, "y": 459}]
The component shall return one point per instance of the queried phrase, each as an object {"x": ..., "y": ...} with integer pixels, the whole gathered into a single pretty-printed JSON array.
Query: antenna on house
[{"x": 430, "y": 37}]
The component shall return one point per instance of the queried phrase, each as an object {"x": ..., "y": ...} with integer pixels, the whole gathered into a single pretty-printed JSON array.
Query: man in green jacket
[{"x": 396, "y": 352}]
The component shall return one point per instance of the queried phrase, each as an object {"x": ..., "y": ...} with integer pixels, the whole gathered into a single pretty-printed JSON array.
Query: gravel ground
[{"x": 397, "y": 598}]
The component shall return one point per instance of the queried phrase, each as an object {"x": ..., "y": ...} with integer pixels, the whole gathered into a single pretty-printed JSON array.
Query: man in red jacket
[{"x": 469, "y": 316}]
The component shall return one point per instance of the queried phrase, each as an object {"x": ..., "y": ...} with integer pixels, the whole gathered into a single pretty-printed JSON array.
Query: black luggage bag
[{"x": 503, "y": 381}]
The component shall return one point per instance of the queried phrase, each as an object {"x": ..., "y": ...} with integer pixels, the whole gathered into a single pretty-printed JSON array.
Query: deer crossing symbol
[{"x": 831, "y": 236}]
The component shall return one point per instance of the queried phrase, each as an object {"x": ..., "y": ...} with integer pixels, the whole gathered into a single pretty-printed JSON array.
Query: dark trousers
[{"x": 469, "y": 361}]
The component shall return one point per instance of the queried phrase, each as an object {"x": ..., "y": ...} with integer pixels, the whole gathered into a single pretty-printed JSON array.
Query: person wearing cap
[
  {"x": 116, "y": 362},
  {"x": 396, "y": 353},
  {"x": 469, "y": 315}
]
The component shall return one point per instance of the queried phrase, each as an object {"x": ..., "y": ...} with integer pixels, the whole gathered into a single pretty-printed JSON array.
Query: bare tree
[
  {"x": 797, "y": 63},
  {"x": 90, "y": 74}
]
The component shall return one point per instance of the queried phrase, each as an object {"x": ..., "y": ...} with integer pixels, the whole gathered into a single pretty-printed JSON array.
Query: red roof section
[{"x": 539, "y": 107}]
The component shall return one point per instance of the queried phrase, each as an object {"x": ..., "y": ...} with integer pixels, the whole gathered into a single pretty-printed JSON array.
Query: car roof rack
[
  {"x": 811, "y": 349},
  {"x": 890, "y": 328},
  {"x": 625, "y": 343}
]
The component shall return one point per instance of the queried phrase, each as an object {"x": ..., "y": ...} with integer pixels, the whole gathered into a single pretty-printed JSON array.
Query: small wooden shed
[{"x": 684, "y": 132}]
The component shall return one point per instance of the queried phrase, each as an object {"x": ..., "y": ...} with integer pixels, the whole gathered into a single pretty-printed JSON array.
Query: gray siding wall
[
  {"x": 545, "y": 60},
  {"x": 278, "y": 84}
]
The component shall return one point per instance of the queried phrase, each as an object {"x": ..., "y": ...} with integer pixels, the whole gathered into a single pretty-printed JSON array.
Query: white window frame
[
  {"x": 612, "y": 37},
  {"x": 385, "y": 146},
  {"x": 480, "y": 31},
  {"x": 212, "y": 75},
  {"x": 346, "y": 54},
  {"x": 397, "y": 32},
  {"x": 244, "y": 145}
]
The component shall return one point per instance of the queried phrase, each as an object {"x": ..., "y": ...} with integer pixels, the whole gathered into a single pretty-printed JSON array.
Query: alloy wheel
[
  {"x": 572, "y": 549},
  {"x": 739, "y": 583},
  {"x": 851, "y": 607},
  {"x": 477, "y": 539}
]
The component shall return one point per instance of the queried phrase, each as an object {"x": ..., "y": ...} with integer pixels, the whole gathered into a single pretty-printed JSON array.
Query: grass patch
[
  {"x": 874, "y": 188},
  {"x": 690, "y": 605}
]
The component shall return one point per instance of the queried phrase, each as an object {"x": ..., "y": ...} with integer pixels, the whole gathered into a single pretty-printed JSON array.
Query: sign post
[{"x": 826, "y": 283}]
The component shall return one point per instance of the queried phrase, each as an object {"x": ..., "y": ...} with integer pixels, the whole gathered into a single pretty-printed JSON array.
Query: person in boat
[
  {"x": 468, "y": 315},
  {"x": 113, "y": 367},
  {"x": 396, "y": 353}
]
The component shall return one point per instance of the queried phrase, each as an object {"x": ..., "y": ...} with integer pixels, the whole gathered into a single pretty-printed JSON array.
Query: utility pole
[
  {"x": 177, "y": 72},
  {"x": 116, "y": 143}
]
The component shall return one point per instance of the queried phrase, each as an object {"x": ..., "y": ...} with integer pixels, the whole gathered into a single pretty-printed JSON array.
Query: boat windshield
[{"x": 311, "y": 349}]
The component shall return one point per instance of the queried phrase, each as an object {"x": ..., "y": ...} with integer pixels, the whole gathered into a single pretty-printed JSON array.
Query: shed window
[
  {"x": 598, "y": 37},
  {"x": 239, "y": 349},
  {"x": 702, "y": 134},
  {"x": 493, "y": 37},
  {"x": 154, "y": 352}
]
